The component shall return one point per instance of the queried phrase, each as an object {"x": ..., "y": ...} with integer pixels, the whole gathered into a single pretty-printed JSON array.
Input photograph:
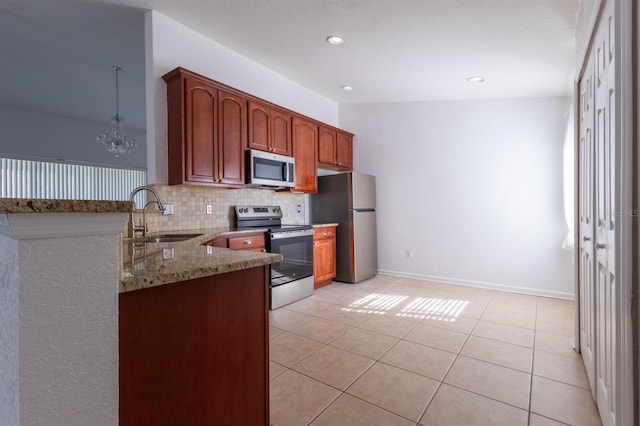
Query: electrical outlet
[
  {"x": 299, "y": 208},
  {"x": 209, "y": 209},
  {"x": 209, "y": 250},
  {"x": 168, "y": 209},
  {"x": 408, "y": 254},
  {"x": 168, "y": 253}
]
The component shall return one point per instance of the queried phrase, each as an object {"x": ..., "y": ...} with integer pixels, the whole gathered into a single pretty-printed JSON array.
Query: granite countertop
[
  {"x": 27, "y": 205},
  {"x": 154, "y": 264},
  {"x": 319, "y": 225}
]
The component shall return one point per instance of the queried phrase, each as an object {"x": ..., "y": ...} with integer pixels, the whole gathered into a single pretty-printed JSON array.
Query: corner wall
[{"x": 472, "y": 188}]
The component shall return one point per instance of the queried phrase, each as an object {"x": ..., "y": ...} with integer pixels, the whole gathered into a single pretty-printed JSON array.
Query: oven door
[{"x": 296, "y": 248}]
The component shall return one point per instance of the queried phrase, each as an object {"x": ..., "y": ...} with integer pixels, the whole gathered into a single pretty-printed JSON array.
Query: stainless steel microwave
[{"x": 267, "y": 170}]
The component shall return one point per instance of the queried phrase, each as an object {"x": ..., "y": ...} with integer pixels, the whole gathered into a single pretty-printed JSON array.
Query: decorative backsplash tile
[{"x": 189, "y": 206}]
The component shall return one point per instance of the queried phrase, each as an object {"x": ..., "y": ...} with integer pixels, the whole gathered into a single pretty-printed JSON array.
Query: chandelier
[{"x": 115, "y": 140}]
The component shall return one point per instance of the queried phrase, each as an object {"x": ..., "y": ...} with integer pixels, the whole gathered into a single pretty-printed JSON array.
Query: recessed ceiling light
[
  {"x": 347, "y": 88},
  {"x": 335, "y": 40},
  {"x": 475, "y": 79}
]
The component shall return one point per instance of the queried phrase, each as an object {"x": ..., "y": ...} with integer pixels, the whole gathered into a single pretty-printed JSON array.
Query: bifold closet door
[{"x": 585, "y": 213}]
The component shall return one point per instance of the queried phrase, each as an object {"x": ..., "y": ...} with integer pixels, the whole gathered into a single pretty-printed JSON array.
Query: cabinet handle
[
  {"x": 600, "y": 246},
  {"x": 586, "y": 239},
  {"x": 325, "y": 233},
  {"x": 247, "y": 242}
]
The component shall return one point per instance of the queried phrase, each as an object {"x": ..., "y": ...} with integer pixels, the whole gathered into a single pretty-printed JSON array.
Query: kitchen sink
[{"x": 170, "y": 238}]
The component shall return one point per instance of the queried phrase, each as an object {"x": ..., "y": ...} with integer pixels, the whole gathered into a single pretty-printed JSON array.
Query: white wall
[
  {"x": 34, "y": 135},
  {"x": 9, "y": 356},
  {"x": 472, "y": 188},
  {"x": 173, "y": 44}
]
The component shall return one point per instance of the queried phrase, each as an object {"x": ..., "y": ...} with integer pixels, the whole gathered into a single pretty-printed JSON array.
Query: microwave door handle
[{"x": 285, "y": 166}]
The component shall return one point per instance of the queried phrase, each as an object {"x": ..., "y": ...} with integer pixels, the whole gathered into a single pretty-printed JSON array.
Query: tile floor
[{"x": 395, "y": 351}]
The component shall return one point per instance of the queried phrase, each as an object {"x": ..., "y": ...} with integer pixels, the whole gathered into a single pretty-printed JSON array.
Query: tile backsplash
[{"x": 189, "y": 206}]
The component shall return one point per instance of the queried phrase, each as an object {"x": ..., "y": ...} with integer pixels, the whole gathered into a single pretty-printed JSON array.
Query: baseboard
[{"x": 482, "y": 284}]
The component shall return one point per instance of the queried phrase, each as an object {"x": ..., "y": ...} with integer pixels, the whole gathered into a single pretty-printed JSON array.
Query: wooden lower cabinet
[
  {"x": 324, "y": 255},
  {"x": 196, "y": 352},
  {"x": 254, "y": 241}
]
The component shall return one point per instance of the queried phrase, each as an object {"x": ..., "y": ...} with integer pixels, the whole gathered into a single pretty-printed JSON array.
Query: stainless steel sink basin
[{"x": 170, "y": 238}]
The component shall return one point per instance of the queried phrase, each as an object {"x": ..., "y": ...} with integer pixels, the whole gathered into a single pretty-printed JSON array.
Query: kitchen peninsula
[{"x": 60, "y": 295}]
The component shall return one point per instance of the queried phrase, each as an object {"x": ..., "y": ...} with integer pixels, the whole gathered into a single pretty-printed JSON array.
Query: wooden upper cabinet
[
  {"x": 335, "y": 149},
  {"x": 305, "y": 148},
  {"x": 207, "y": 132},
  {"x": 201, "y": 138},
  {"x": 326, "y": 145},
  {"x": 269, "y": 129},
  {"x": 344, "y": 150},
  {"x": 232, "y": 138}
]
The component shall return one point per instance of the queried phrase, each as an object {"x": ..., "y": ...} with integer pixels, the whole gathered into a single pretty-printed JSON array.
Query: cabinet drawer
[
  {"x": 247, "y": 242},
  {"x": 324, "y": 232}
]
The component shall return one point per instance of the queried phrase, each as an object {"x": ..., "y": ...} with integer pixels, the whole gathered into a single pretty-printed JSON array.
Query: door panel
[
  {"x": 585, "y": 213},
  {"x": 605, "y": 203}
]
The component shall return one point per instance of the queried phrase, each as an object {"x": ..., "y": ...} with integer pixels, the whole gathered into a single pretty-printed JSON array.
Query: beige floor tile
[
  {"x": 344, "y": 316},
  {"x": 564, "y": 403},
  {"x": 350, "y": 411},
  {"x": 460, "y": 324},
  {"x": 562, "y": 325},
  {"x": 536, "y": 420},
  {"x": 473, "y": 310},
  {"x": 569, "y": 370},
  {"x": 504, "y": 333},
  {"x": 452, "y": 406},
  {"x": 296, "y": 399},
  {"x": 275, "y": 369},
  {"x": 365, "y": 343},
  {"x": 318, "y": 329},
  {"x": 420, "y": 359},
  {"x": 389, "y": 326},
  {"x": 311, "y": 306},
  {"x": 513, "y": 302},
  {"x": 399, "y": 391},
  {"x": 333, "y": 366},
  {"x": 287, "y": 349},
  {"x": 523, "y": 319},
  {"x": 436, "y": 337},
  {"x": 555, "y": 343},
  {"x": 274, "y": 332},
  {"x": 500, "y": 353},
  {"x": 490, "y": 380},
  {"x": 283, "y": 318}
]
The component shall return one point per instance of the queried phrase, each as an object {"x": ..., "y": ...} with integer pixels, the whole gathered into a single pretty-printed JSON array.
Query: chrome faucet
[{"x": 142, "y": 227}]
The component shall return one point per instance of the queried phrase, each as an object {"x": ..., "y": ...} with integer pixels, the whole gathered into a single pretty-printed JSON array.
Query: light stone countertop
[
  {"x": 320, "y": 225},
  {"x": 28, "y": 205},
  {"x": 157, "y": 264}
]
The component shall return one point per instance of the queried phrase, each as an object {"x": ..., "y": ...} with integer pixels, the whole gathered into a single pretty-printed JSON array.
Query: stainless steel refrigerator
[{"x": 349, "y": 199}]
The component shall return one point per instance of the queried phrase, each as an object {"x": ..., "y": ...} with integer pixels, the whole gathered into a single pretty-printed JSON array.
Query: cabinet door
[
  {"x": 232, "y": 138},
  {"x": 305, "y": 148},
  {"x": 201, "y": 134},
  {"x": 324, "y": 256},
  {"x": 281, "y": 132},
  {"x": 344, "y": 151},
  {"x": 326, "y": 146},
  {"x": 259, "y": 127}
]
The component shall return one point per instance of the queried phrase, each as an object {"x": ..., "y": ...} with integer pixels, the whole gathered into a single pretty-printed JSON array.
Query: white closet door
[
  {"x": 607, "y": 291},
  {"x": 586, "y": 230}
]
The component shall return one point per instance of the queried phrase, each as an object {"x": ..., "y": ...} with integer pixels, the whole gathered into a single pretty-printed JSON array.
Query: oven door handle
[{"x": 291, "y": 234}]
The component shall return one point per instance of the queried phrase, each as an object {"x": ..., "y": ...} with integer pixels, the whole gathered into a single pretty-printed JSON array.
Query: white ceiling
[
  {"x": 57, "y": 54},
  {"x": 402, "y": 50}
]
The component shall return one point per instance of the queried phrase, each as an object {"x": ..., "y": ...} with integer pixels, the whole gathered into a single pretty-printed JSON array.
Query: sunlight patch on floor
[{"x": 421, "y": 307}]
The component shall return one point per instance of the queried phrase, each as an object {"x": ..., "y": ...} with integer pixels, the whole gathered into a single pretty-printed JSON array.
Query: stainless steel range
[{"x": 291, "y": 279}]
